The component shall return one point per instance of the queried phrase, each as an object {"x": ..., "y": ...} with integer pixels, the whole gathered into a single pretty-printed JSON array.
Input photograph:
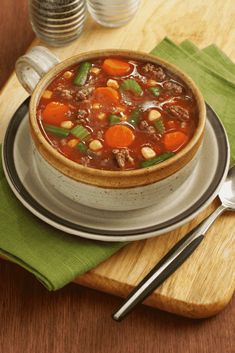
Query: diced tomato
[
  {"x": 157, "y": 149},
  {"x": 171, "y": 124},
  {"x": 66, "y": 150}
]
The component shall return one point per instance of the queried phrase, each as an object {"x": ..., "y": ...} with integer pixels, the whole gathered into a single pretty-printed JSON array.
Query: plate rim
[{"x": 60, "y": 223}]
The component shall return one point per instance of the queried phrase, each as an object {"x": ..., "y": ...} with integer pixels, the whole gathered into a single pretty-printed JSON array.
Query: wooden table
[{"x": 78, "y": 319}]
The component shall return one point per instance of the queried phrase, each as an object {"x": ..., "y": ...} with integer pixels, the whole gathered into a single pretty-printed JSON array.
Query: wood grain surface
[{"x": 76, "y": 319}]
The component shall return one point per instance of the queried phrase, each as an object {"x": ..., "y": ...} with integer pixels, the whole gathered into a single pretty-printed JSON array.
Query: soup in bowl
[{"x": 114, "y": 129}]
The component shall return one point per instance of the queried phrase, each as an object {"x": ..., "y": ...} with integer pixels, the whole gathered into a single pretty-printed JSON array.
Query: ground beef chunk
[
  {"x": 84, "y": 93},
  {"x": 157, "y": 72},
  {"x": 104, "y": 162},
  {"x": 179, "y": 113},
  {"x": 173, "y": 87},
  {"x": 143, "y": 125},
  {"x": 85, "y": 161},
  {"x": 82, "y": 113},
  {"x": 149, "y": 129},
  {"x": 68, "y": 114},
  {"x": 122, "y": 156},
  {"x": 63, "y": 142},
  {"x": 99, "y": 135},
  {"x": 81, "y": 116},
  {"x": 63, "y": 92}
]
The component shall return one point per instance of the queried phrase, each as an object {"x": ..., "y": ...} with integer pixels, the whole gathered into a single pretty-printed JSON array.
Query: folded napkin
[
  {"x": 213, "y": 72},
  {"x": 56, "y": 258}
]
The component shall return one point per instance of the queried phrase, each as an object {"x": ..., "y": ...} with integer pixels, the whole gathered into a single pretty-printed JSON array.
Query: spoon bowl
[{"x": 227, "y": 191}]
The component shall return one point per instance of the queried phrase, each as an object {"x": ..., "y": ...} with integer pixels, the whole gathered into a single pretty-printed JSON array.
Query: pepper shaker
[{"x": 57, "y": 22}]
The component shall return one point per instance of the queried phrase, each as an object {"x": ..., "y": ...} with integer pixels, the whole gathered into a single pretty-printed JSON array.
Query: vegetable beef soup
[{"x": 114, "y": 113}]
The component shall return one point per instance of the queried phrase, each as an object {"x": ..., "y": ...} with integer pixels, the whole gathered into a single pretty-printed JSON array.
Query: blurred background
[{"x": 14, "y": 25}]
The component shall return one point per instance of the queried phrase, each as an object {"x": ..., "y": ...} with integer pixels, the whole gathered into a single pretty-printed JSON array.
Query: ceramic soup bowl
[{"x": 105, "y": 189}]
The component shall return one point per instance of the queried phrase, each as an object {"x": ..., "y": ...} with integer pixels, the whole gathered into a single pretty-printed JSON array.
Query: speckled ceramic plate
[{"x": 62, "y": 213}]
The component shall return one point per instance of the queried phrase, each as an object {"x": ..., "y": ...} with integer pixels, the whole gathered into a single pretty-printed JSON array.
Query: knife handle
[
  {"x": 163, "y": 269},
  {"x": 167, "y": 265}
]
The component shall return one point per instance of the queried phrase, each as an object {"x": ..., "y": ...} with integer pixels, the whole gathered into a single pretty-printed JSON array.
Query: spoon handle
[{"x": 167, "y": 265}]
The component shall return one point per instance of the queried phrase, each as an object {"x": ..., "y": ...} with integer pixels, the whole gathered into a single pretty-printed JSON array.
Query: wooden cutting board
[{"x": 205, "y": 282}]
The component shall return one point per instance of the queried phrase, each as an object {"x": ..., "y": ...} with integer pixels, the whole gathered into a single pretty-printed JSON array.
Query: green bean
[
  {"x": 156, "y": 160},
  {"x": 155, "y": 91},
  {"x": 131, "y": 85},
  {"x": 134, "y": 117},
  {"x": 55, "y": 130},
  {"x": 82, "y": 74},
  {"x": 114, "y": 119},
  {"x": 159, "y": 125},
  {"x": 80, "y": 132},
  {"x": 82, "y": 147}
]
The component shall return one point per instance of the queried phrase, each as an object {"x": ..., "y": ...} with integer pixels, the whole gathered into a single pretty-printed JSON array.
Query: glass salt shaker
[
  {"x": 112, "y": 13},
  {"x": 57, "y": 22}
]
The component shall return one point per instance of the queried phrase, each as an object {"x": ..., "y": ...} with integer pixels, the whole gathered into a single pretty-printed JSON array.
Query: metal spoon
[{"x": 180, "y": 252}]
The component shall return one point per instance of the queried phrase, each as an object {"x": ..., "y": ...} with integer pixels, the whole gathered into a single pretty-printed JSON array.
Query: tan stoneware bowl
[{"x": 102, "y": 189}]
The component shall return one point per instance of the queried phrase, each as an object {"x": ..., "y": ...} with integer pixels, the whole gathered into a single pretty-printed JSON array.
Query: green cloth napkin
[
  {"x": 213, "y": 72},
  {"x": 56, "y": 258}
]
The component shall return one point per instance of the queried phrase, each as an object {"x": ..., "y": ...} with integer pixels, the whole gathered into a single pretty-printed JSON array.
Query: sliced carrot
[
  {"x": 174, "y": 140},
  {"x": 106, "y": 95},
  {"x": 119, "y": 136},
  {"x": 54, "y": 113},
  {"x": 116, "y": 67}
]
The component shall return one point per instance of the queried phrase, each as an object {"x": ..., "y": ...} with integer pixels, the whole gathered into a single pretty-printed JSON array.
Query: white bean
[
  {"x": 148, "y": 152},
  {"x": 66, "y": 124},
  {"x": 154, "y": 115},
  {"x": 112, "y": 83},
  {"x": 95, "y": 145}
]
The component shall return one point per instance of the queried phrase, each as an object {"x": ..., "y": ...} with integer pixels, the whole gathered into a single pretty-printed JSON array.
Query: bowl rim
[{"x": 58, "y": 160}]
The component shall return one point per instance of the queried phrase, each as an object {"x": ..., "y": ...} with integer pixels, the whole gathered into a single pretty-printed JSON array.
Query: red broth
[{"x": 117, "y": 114}]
